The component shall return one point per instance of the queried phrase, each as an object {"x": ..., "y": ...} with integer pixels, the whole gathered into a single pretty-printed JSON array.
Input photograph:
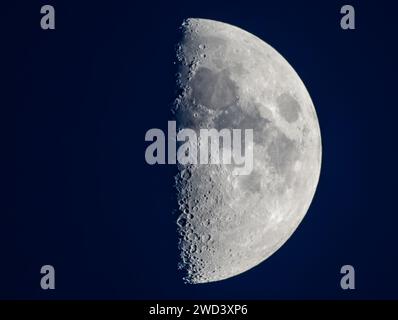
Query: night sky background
[{"x": 77, "y": 193}]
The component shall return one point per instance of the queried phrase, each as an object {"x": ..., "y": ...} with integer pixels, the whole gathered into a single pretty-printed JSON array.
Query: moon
[{"x": 229, "y": 78}]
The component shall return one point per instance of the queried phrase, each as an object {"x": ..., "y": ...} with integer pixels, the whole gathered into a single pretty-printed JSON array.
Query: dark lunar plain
[{"x": 77, "y": 193}]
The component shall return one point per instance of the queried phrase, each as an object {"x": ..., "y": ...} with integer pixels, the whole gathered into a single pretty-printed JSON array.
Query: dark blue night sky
[{"x": 76, "y": 190}]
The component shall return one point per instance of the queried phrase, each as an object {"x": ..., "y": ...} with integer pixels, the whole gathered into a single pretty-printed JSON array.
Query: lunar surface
[{"x": 229, "y": 78}]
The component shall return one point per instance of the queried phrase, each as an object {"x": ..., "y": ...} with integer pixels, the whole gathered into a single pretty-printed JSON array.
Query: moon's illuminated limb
[{"x": 232, "y": 79}]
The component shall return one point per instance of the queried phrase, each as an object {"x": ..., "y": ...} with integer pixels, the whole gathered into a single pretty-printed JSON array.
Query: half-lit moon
[{"x": 229, "y": 223}]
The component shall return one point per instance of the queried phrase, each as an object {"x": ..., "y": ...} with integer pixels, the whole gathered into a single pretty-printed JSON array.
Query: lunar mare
[{"x": 229, "y": 78}]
